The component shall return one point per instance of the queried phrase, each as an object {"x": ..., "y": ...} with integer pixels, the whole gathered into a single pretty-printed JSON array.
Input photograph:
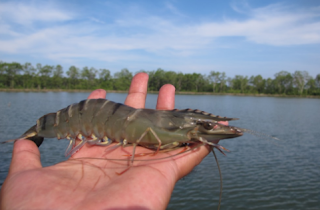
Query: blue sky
[{"x": 236, "y": 37}]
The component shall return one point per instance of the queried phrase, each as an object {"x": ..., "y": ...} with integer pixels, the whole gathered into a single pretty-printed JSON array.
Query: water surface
[{"x": 258, "y": 173}]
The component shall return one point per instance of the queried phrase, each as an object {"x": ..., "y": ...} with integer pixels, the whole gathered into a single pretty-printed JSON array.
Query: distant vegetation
[{"x": 25, "y": 76}]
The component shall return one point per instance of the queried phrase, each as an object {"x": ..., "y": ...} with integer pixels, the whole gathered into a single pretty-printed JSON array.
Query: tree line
[{"x": 26, "y": 76}]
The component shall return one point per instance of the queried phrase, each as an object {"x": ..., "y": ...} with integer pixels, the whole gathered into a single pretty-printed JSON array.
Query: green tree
[
  {"x": 199, "y": 81},
  {"x": 317, "y": 81},
  {"x": 283, "y": 82},
  {"x": 158, "y": 79},
  {"x": 122, "y": 79},
  {"x": 105, "y": 79},
  {"x": 258, "y": 83},
  {"x": 89, "y": 75},
  {"x": 170, "y": 77},
  {"x": 270, "y": 86},
  {"x": 45, "y": 73},
  {"x": 240, "y": 83},
  {"x": 179, "y": 79},
  {"x": 15, "y": 75},
  {"x": 230, "y": 82},
  {"x": 11, "y": 70},
  {"x": 188, "y": 82},
  {"x": 222, "y": 80},
  {"x": 311, "y": 86},
  {"x": 215, "y": 78},
  {"x": 58, "y": 71},
  {"x": 193, "y": 82},
  {"x": 300, "y": 79},
  {"x": 29, "y": 75},
  {"x": 57, "y": 76},
  {"x": 73, "y": 74},
  {"x": 2, "y": 76}
]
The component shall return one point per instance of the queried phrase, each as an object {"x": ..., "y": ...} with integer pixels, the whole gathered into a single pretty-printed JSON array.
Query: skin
[{"x": 82, "y": 183}]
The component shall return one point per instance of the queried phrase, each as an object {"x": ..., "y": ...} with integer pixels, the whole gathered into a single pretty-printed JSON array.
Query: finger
[
  {"x": 186, "y": 165},
  {"x": 99, "y": 93},
  {"x": 166, "y": 97},
  {"x": 188, "y": 162},
  {"x": 138, "y": 91},
  {"x": 224, "y": 122},
  {"x": 25, "y": 156},
  {"x": 195, "y": 158}
]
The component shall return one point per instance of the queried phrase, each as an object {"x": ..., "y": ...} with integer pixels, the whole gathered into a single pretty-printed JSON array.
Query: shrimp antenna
[
  {"x": 258, "y": 134},
  {"x": 220, "y": 194},
  {"x": 8, "y": 141}
]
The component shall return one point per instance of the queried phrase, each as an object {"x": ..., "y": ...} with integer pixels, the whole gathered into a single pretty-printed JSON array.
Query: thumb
[{"x": 25, "y": 156}]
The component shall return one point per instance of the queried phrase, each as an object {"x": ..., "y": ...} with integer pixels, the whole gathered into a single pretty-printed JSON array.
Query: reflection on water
[{"x": 258, "y": 173}]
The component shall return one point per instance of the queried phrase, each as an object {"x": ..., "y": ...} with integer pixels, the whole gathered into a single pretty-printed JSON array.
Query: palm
[{"x": 82, "y": 182}]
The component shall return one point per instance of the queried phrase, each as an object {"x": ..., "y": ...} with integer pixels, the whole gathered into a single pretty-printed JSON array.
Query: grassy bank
[{"x": 155, "y": 92}]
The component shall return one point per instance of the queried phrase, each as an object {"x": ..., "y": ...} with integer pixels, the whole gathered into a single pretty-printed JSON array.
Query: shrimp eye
[{"x": 208, "y": 125}]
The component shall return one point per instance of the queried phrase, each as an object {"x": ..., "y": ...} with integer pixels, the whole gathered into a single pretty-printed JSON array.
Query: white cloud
[
  {"x": 94, "y": 38},
  {"x": 270, "y": 25},
  {"x": 174, "y": 10},
  {"x": 26, "y": 14}
]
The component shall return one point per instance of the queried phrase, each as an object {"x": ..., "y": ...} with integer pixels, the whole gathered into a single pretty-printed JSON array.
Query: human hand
[{"x": 89, "y": 180}]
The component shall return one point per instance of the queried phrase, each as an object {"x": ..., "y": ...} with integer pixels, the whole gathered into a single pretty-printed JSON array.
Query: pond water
[{"x": 258, "y": 173}]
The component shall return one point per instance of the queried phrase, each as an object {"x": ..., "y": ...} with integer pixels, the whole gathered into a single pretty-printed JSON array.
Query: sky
[{"x": 236, "y": 37}]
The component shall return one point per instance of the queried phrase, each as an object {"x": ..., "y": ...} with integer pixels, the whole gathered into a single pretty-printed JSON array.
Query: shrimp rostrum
[{"x": 102, "y": 122}]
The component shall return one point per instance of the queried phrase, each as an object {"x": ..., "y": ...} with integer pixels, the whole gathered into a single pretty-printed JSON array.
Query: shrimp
[{"x": 102, "y": 122}]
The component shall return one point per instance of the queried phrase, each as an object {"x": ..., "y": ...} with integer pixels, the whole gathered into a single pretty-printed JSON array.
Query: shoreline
[{"x": 155, "y": 92}]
